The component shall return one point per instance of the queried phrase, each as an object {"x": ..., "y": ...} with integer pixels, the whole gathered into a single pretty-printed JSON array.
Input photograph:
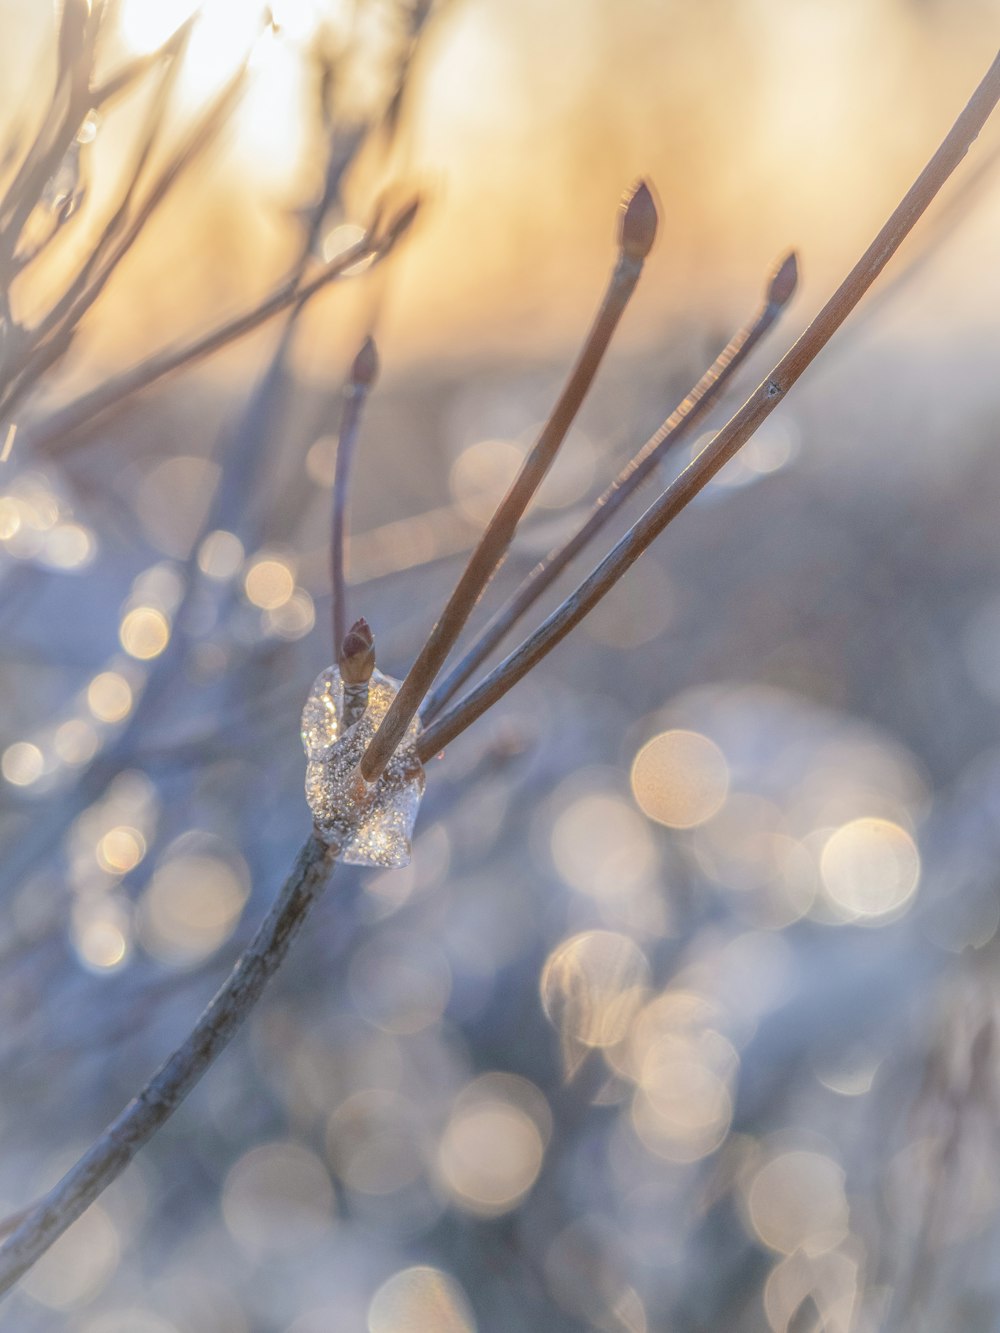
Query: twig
[
  {"x": 675, "y": 429},
  {"x": 637, "y": 232},
  {"x": 734, "y": 434},
  {"x": 364, "y": 372},
  {"x": 161, "y": 364},
  {"x": 105, "y": 1160}
]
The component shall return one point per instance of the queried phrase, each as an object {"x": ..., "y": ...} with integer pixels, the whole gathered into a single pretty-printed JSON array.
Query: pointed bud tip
[
  {"x": 364, "y": 372},
  {"x": 784, "y": 280},
  {"x": 637, "y": 228},
  {"x": 357, "y": 654}
]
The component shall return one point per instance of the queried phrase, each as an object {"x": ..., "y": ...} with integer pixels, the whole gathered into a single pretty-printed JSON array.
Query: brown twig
[
  {"x": 363, "y": 374},
  {"x": 636, "y": 235},
  {"x": 675, "y": 429},
  {"x": 105, "y": 1160},
  {"x": 734, "y": 434}
]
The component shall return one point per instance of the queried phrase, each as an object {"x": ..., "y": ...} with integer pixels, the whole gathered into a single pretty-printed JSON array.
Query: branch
[
  {"x": 675, "y": 429},
  {"x": 161, "y": 364},
  {"x": 733, "y": 435},
  {"x": 363, "y": 375},
  {"x": 108, "y": 1157},
  {"x": 637, "y": 231}
]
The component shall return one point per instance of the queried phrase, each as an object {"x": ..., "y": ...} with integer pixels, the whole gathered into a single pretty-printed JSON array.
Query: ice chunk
[{"x": 372, "y": 824}]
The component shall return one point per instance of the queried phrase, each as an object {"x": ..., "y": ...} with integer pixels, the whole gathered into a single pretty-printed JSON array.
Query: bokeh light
[
  {"x": 420, "y": 1298},
  {"x": 796, "y": 1200},
  {"x": 492, "y": 1147},
  {"x": 680, "y": 778},
  {"x": 870, "y": 868},
  {"x": 22, "y": 764},
  {"x": 192, "y": 905},
  {"x": 144, "y": 632},
  {"x": 591, "y": 987},
  {"x": 269, "y": 581},
  {"x": 277, "y": 1198},
  {"x": 109, "y": 697}
]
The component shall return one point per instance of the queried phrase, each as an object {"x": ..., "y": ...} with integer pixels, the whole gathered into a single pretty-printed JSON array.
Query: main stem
[{"x": 106, "y": 1159}]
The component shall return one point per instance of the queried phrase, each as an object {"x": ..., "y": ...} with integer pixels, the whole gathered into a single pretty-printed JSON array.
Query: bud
[
  {"x": 784, "y": 280},
  {"x": 364, "y": 371},
  {"x": 357, "y": 654},
  {"x": 637, "y": 228}
]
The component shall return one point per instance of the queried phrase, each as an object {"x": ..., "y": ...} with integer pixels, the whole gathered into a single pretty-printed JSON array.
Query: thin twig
[
  {"x": 637, "y": 232},
  {"x": 733, "y": 435},
  {"x": 108, "y": 1157},
  {"x": 363, "y": 374},
  {"x": 674, "y": 430},
  {"x": 161, "y": 364}
]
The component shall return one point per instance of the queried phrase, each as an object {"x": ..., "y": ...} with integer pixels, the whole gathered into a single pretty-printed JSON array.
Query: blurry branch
[
  {"x": 637, "y": 231},
  {"x": 733, "y": 435},
  {"x": 105, "y": 1160},
  {"x": 291, "y": 291},
  {"x": 675, "y": 429}
]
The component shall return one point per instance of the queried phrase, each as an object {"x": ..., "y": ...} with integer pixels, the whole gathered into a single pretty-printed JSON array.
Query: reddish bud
[
  {"x": 364, "y": 371},
  {"x": 357, "y": 654},
  {"x": 783, "y": 281},
  {"x": 637, "y": 228}
]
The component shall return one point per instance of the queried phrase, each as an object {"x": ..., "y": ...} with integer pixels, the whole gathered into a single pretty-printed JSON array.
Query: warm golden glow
[
  {"x": 797, "y": 1199},
  {"x": 144, "y": 632},
  {"x": 192, "y": 906},
  {"x": 22, "y": 764},
  {"x": 75, "y": 741},
  {"x": 120, "y": 850},
  {"x": 220, "y": 555},
  {"x": 680, "y": 778},
  {"x": 420, "y": 1298},
  {"x": 109, "y": 697},
  {"x": 591, "y": 987},
  {"x": 269, "y": 582},
  {"x": 870, "y": 868}
]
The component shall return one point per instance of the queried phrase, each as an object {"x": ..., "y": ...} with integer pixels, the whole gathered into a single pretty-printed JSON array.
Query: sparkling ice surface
[{"x": 373, "y": 827}]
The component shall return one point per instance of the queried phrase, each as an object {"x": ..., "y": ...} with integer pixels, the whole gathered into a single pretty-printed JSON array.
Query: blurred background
[{"x": 683, "y": 1016}]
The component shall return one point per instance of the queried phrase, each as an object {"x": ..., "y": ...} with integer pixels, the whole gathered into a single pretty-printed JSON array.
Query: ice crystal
[{"x": 371, "y": 824}]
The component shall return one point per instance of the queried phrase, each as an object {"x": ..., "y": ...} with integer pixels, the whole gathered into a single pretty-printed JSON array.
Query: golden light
[
  {"x": 294, "y": 618},
  {"x": 100, "y": 934},
  {"x": 22, "y": 764},
  {"x": 680, "y": 778},
  {"x": 220, "y": 555},
  {"x": 797, "y": 1200},
  {"x": 420, "y": 1298},
  {"x": 276, "y": 1198},
  {"x": 147, "y": 24},
  {"x": 269, "y": 582},
  {"x": 75, "y": 741},
  {"x": 69, "y": 546},
  {"x": 144, "y": 632},
  {"x": 830, "y": 1280},
  {"x": 591, "y": 988},
  {"x": 109, "y": 697},
  {"x": 192, "y": 906},
  {"x": 492, "y": 1147},
  {"x": 601, "y": 847},
  {"x": 481, "y": 475},
  {"x": 870, "y": 868},
  {"x": 683, "y": 1108},
  {"x": 120, "y": 850}
]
